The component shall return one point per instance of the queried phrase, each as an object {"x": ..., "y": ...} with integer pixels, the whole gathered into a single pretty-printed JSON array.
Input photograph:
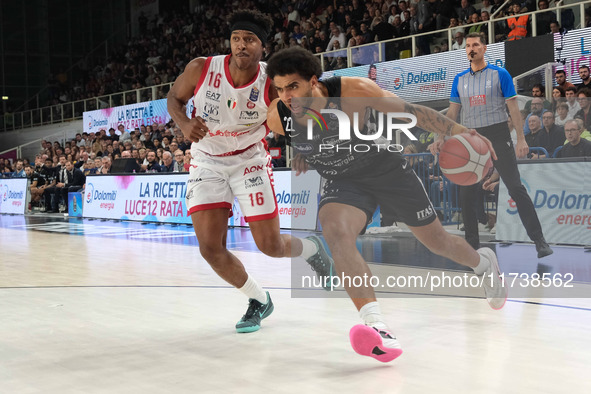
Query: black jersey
[
  {"x": 326, "y": 153},
  {"x": 39, "y": 178}
]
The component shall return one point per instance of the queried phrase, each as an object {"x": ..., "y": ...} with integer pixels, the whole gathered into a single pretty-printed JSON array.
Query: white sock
[
  {"x": 309, "y": 248},
  {"x": 482, "y": 266},
  {"x": 370, "y": 313},
  {"x": 253, "y": 290},
  {"x": 372, "y": 316}
]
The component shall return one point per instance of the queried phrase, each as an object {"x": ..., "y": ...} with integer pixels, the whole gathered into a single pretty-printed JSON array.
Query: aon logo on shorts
[{"x": 248, "y": 170}]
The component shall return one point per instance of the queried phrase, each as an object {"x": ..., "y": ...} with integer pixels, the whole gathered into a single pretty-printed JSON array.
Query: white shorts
[{"x": 214, "y": 181}]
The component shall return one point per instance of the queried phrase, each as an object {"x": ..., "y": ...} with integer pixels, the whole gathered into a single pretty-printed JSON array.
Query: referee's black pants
[{"x": 506, "y": 165}]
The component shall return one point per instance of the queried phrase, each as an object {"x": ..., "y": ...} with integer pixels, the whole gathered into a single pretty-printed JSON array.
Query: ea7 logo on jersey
[
  {"x": 253, "y": 182},
  {"x": 248, "y": 170},
  {"x": 425, "y": 213},
  {"x": 213, "y": 96},
  {"x": 249, "y": 115}
]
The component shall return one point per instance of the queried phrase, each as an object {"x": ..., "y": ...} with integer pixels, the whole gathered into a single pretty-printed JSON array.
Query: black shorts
[{"x": 395, "y": 188}]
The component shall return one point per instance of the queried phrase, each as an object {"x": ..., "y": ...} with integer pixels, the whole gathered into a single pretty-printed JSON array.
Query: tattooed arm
[
  {"x": 431, "y": 120},
  {"x": 384, "y": 101}
]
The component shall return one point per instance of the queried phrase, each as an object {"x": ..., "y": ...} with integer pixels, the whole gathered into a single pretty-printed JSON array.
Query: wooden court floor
[{"x": 93, "y": 307}]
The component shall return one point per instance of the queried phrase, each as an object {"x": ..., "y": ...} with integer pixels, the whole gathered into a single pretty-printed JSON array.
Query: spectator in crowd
[
  {"x": 444, "y": 11},
  {"x": 336, "y": 35},
  {"x": 558, "y": 96},
  {"x": 105, "y": 167},
  {"x": 576, "y": 146},
  {"x": 466, "y": 10},
  {"x": 544, "y": 19},
  {"x": 572, "y": 102},
  {"x": 584, "y": 99},
  {"x": 486, "y": 6},
  {"x": 80, "y": 141},
  {"x": 585, "y": 78},
  {"x": 476, "y": 28},
  {"x": 179, "y": 158},
  {"x": 554, "y": 27},
  {"x": 459, "y": 43},
  {"x": 152, "y": 165},
  {"x": 561, "y": 81},
  {"x": 187, "y": 160},
  {"x": 554, "y": 133},
  {"x": 455, "y": 27},
  {"x": 562, "y": 114},
  {"x": 517, "y": 24},
  {"x": 159, "y": 153},
  {"x": 537, "y": 108},
  {"x": 536, "y": 138},
  {"x": 124, "y": 135},
  {"x": 19, "y": 170},
  {"x": 538, "y": 91},
  {"x": 113, "y": 134},
  {"x": 168, "y": 163},
  {"x": 89, "y": 168}
]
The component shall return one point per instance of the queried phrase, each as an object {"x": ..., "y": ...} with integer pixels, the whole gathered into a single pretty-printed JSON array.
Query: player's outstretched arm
[
  {"x": 427, "y": 118},
  {"x": 182, "y": 90}
]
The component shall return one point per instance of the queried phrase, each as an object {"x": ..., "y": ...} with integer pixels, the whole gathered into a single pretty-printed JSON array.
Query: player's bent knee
[
  {"x": 338, "y": 230},
  {"x": 211, "y": 254},
  {"x": 272, "y": 248}
]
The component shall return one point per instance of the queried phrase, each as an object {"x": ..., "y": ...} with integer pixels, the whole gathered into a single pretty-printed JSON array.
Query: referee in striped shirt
[{"x": 482, "y": 92}]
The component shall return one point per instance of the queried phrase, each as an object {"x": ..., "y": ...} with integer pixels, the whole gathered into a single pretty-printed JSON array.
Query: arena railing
[
  {"x": 405, "y": 47},
  {"x": 60, "y": 113},
  {"x": 357, "y": 55}
]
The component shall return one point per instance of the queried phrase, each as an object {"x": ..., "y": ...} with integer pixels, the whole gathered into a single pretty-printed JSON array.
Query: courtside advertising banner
[
  {"x": 423, "y": 78},
  {"x": 13, "y": 195},
  {"x": 150, "y": 198},
  {"x": 561, "y": 194},
  {"x": 161, "y": 198},
  {"x": 297, "y": 199},
  {"x": 131, "y": 116}
]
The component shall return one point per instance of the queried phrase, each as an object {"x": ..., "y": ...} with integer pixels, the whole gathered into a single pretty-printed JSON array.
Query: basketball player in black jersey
[{"x": 356, "y": 183}]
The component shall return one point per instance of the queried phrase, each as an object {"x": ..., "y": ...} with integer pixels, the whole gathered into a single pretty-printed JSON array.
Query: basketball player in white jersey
[{"x": 228, "y": 128}]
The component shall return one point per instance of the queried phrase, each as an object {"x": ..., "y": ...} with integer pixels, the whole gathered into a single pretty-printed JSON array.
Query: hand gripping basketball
[{"x": 466, "y": 158}]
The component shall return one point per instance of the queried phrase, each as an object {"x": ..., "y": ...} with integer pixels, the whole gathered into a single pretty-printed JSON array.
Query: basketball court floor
[{"x": 108, "y": 307}]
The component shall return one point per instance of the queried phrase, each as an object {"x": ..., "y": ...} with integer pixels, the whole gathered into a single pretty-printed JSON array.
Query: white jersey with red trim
[{"x": 236, "y": 116}]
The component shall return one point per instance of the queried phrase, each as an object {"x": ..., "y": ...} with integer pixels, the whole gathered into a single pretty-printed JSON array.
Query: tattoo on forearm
[{"x": 430, "y": 119}]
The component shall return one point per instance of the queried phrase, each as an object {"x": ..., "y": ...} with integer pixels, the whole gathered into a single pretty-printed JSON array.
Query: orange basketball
[{"x": 465, "y": 159}]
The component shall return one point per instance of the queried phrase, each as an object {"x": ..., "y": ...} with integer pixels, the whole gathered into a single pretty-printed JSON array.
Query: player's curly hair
[
  {"x": 258, "y": 18},
  {"x": 294, "y": 60}
]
